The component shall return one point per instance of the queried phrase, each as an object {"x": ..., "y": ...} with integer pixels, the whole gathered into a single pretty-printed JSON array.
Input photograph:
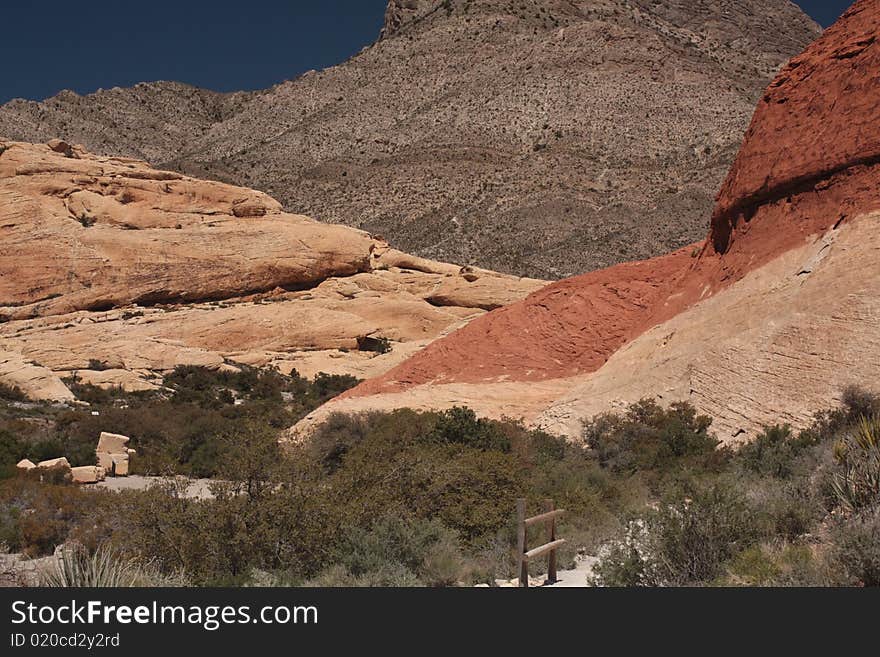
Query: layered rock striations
[
  {"x": 539, "y": 137},
  {"x": 119, "y": 272},
  {"x": 766, "y": 320}
]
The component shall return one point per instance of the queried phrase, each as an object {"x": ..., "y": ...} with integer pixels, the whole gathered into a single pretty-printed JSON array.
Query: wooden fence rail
[{"x": 524, "y": 554}]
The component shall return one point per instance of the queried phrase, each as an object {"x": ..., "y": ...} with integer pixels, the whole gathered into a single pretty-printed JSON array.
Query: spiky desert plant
[
  {"x": 104, "y": 568},
  {"x": 857, "y": 484}
]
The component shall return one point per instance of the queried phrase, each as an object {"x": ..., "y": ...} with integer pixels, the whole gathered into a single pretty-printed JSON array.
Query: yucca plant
[
  {"x": 857, "y": 484},
  {"x": 104, "y": 568}
]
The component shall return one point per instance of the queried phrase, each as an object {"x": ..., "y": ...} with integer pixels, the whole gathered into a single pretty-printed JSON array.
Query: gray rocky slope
[{"x": 537, "y": 137}]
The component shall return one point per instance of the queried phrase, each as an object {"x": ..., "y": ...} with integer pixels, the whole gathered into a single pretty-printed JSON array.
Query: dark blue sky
[{"x": 51, "y": 45}]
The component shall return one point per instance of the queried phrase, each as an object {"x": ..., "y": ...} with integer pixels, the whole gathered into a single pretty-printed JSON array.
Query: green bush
[
  {"x": 12, "y": 450},
  {"x": 683, "y": 542},
  {"x": 391, "y": 575},
  {"x": 183, "y": 429},
  {"x": 460, "y": 426},
  {"x": 221, "y": 540},
  {"x": 426, "y": 550},
  {"x": 36, "y": 517},
  {"x": 762, "y": 565},
  {"x": 775, "y": 451},
  {"x": 412, "y": 498},
  {"x": 649, "y": 437},
  {"x": 855, "y": 555},
  {"x": 859, "y": 403},
  {"x": 405, "y": 498}
]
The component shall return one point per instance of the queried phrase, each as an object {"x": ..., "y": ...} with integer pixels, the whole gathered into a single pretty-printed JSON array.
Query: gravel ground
[{"x": 198, "y": 488}]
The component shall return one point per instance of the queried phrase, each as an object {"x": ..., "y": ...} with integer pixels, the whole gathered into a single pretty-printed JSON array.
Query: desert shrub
[
  {"x": 184, "y": 429},
  {"x": 856, "y": 403},
  {"x": 12, "y": 450},
  {"x": 37, "y": 517},
  {"x": 793, "y": 511},
  {"x": 624, "y": 563},
  {"x": 78, "y": 449},
  {"x": 427, "y": 550},
  {"x": 763, "y": 565},
  {"x": 217, "y": 388},
  {"x": 391, "y": 575},
  {"x": 856, "y": 482},
  {"x": 335, "y": 437},
  {"x": 411, "y": 498},
  {"x": 221, "y": 540},
  {"x": 462, "y": 427},
  {"x": 466, "y": 472},
  {"x": 855, "y": 553},
  {"x": 683, "y": 542},
  {"x": 10, "y": 527},
  {"x": 775, "y": 451},
  {"x": 754, "y": 566},
  {"x": 326, "y": 386},
  {"x": 103, "y": 567},
  {"x": 471, "y": 490},
  {"x": 859, "y": 403},
  {"x": 463, "y": 471},
  {"x": 251, "y": 459},
  {"x": 648, "y": 436}
]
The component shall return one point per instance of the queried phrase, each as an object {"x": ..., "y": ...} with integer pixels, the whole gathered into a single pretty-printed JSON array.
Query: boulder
[
  {"x": 54, "y": 471},
  {"x": 113, "y": 454},
  {"x": 115, "y": 465},
  {"x": 105, "y": 460},
  {"x": 61, "y": 146},
  {"x": 120, "y": 466},
  {"x": 250, "y": 209},
  {"x": 54, "y": 463},
  {"x": 112, "y": 443},
  {"x": 35, "y": 381},
  {"x": 88, "y": 474}
]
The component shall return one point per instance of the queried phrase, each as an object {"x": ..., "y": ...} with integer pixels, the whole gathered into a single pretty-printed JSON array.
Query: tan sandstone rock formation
[
  {"x": 117, "y": 272},
  {"x": 765, "y": 321},
  {"x": 60, "y": 462},
  {"x": 538, "y": 137},
  {"x": 113, "y": 454},
  {"x": 88, "y": 474},
  {"x": 36, "y": 381}
]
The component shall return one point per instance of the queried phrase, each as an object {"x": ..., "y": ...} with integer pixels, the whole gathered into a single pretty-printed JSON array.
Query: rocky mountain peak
[
  {"x": 400, "y": 13},
  {"x": 537, "y": 137}
]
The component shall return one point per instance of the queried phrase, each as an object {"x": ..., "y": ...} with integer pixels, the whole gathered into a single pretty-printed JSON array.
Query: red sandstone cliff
[{"x": 808, "y": 168}]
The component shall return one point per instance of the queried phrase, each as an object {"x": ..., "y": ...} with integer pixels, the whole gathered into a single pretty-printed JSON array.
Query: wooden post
[
  {"x": 551, "y": 537},
  {"x": 521, "y": 546},
  {"x": 524, "y": 554}
]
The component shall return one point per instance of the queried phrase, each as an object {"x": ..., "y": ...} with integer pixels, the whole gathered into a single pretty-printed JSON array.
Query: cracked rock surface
[
  {"x": 120, "y": 272},
  {"x": 766, "y": 320}
]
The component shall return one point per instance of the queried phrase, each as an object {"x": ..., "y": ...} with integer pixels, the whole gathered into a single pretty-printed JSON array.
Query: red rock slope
[
  {"x": 810, "y": 158},
  {"x": 810, "y": 163}
]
